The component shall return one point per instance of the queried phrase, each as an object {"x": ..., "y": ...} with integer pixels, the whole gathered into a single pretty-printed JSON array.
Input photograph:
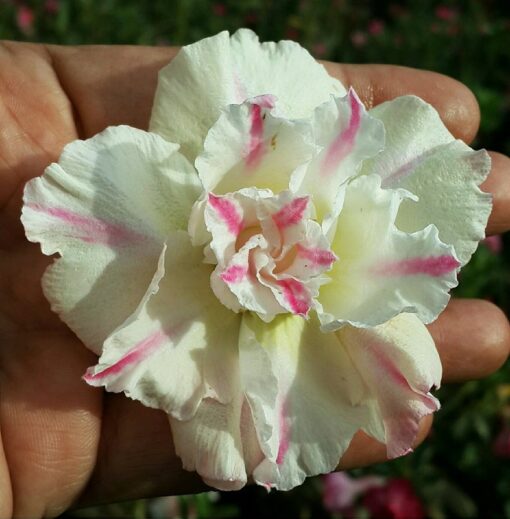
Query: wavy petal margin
[
  {"x": 89, "y": 208},
  {"x": 215, "y": 72}
]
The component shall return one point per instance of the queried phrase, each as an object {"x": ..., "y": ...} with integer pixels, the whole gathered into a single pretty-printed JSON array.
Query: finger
[
  {"x": 50, "y": 421},
  {"x": 115, "y": 85},
  {"x": 136, "y": 456},
  {"x": 364, "y": 450},
  {"x": 498, "y": 184},
  {"x": 375, "y": 84},
  {"x": 36, "y": 115},
  {"x": 110, "y": 85},
  {"x": 473, "y": 339}
]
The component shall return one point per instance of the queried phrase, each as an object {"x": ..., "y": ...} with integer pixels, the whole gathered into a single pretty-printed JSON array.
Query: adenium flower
[{"x": 262, "y": 263}]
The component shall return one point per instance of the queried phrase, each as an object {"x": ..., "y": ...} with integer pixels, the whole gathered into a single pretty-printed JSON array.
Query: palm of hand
[{"x": 59, "y": 436}]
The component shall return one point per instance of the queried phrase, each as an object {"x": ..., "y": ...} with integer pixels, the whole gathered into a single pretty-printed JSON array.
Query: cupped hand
[{"x": 63, "y": 442}]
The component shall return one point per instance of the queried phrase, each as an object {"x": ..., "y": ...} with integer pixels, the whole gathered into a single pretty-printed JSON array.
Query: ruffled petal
[
  {"x": 382, "y": 271},
  {"x": 219, "y": 442},
  {"x": 422, "y": 156},
  {"x": 347, "y": 135},
  {"x": 210, "y": 443},
  {"x": 249, "y": 291},
  {"x": 179, "y": 346},
  {"x": 399, "y": 364},
  {"x": 90, "y": 209},
  {"x": 248, "y": 145},
  {"x": 215, "y": 72},
  {"x": 301, "y": 386}
]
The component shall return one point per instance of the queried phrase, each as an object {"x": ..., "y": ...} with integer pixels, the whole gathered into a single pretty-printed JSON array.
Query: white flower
[{"x": 267, "y": 283}]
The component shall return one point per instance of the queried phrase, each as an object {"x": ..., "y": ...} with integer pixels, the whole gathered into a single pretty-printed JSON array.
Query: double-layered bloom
[{"x": 261, "y": 264}]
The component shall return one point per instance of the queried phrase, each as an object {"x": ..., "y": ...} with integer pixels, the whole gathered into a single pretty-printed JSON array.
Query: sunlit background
[{"x": 463, "y": 470}]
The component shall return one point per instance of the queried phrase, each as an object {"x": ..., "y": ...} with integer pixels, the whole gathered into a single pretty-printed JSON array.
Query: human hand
[{"x": 64, "y": 442}]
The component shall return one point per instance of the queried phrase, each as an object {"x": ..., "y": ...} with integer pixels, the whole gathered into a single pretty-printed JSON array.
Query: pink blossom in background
[
  {"x": 25, "y": 19},
  {"x": 359, "y": 38},
  {"x": 52, "y": 6},
  {"x": 395, "y": 500},
  {"x": 340, "y": 491},
  {"x": 494, "y": 243},
  {"x": 375, "y": 27},
  {"x": 501, "y": 445},
  {"x": 219, "y": 9},
  {"x": 446, "y": 13}
]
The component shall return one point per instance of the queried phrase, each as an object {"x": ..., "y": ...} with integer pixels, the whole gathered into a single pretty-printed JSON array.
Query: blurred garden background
[{"x": 463, "y": 469}]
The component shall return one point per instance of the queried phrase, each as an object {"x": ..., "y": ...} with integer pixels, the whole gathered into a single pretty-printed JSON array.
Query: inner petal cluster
[{"x": 270, "y": 254}]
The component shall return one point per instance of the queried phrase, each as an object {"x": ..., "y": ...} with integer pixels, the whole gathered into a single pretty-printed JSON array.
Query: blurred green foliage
[{"x": 456, "y": 472}]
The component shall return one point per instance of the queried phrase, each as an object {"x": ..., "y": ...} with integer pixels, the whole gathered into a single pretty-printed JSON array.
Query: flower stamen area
[{"x": 271, "y": 255}]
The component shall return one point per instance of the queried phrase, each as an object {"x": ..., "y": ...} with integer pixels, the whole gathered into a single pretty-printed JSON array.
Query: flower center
[
  {"x": 270, "y": 255},
  {"x": 245, "y": 235}
]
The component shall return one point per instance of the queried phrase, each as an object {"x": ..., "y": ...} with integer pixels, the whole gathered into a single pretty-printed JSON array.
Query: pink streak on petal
[
  {"x": 344, "y": 142},
  {"x": 291, "y": 213},
  {"x": 318, "y": 257},
  {"x": 435, "y": 266},
  {"x": 407, "y": 169},
  {"x": 139, "y": 352},
  {"x": 256, "y": 145},
  {"x": 401, "y": 427},
  {"x": 284, "y": 436},
  {"x": 234, "y": 274},
  {"x": 296, "y": 296},
  {"x": 390, "y": 369},
  {"x": 90, "y": 229},
  {"x": 227, "y": 211}
]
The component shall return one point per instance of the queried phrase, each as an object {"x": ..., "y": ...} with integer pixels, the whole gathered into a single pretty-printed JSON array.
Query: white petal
[
  {"x": 249, "y": 147},
  {"x": 211, "y": 443},
  {"x": 301, "y": 386},
  {"x": 91, "y": 209},
  {"x": 215, "y": 72},
  {"x": 422, "y": 156},
  {"x": 219, "y": 442},
  {"x": 179, "y": 346},
  {"x": 347, "y": 135},
  {"x": 399, "y": 363},
  {"x": 382, "y": 271}
]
